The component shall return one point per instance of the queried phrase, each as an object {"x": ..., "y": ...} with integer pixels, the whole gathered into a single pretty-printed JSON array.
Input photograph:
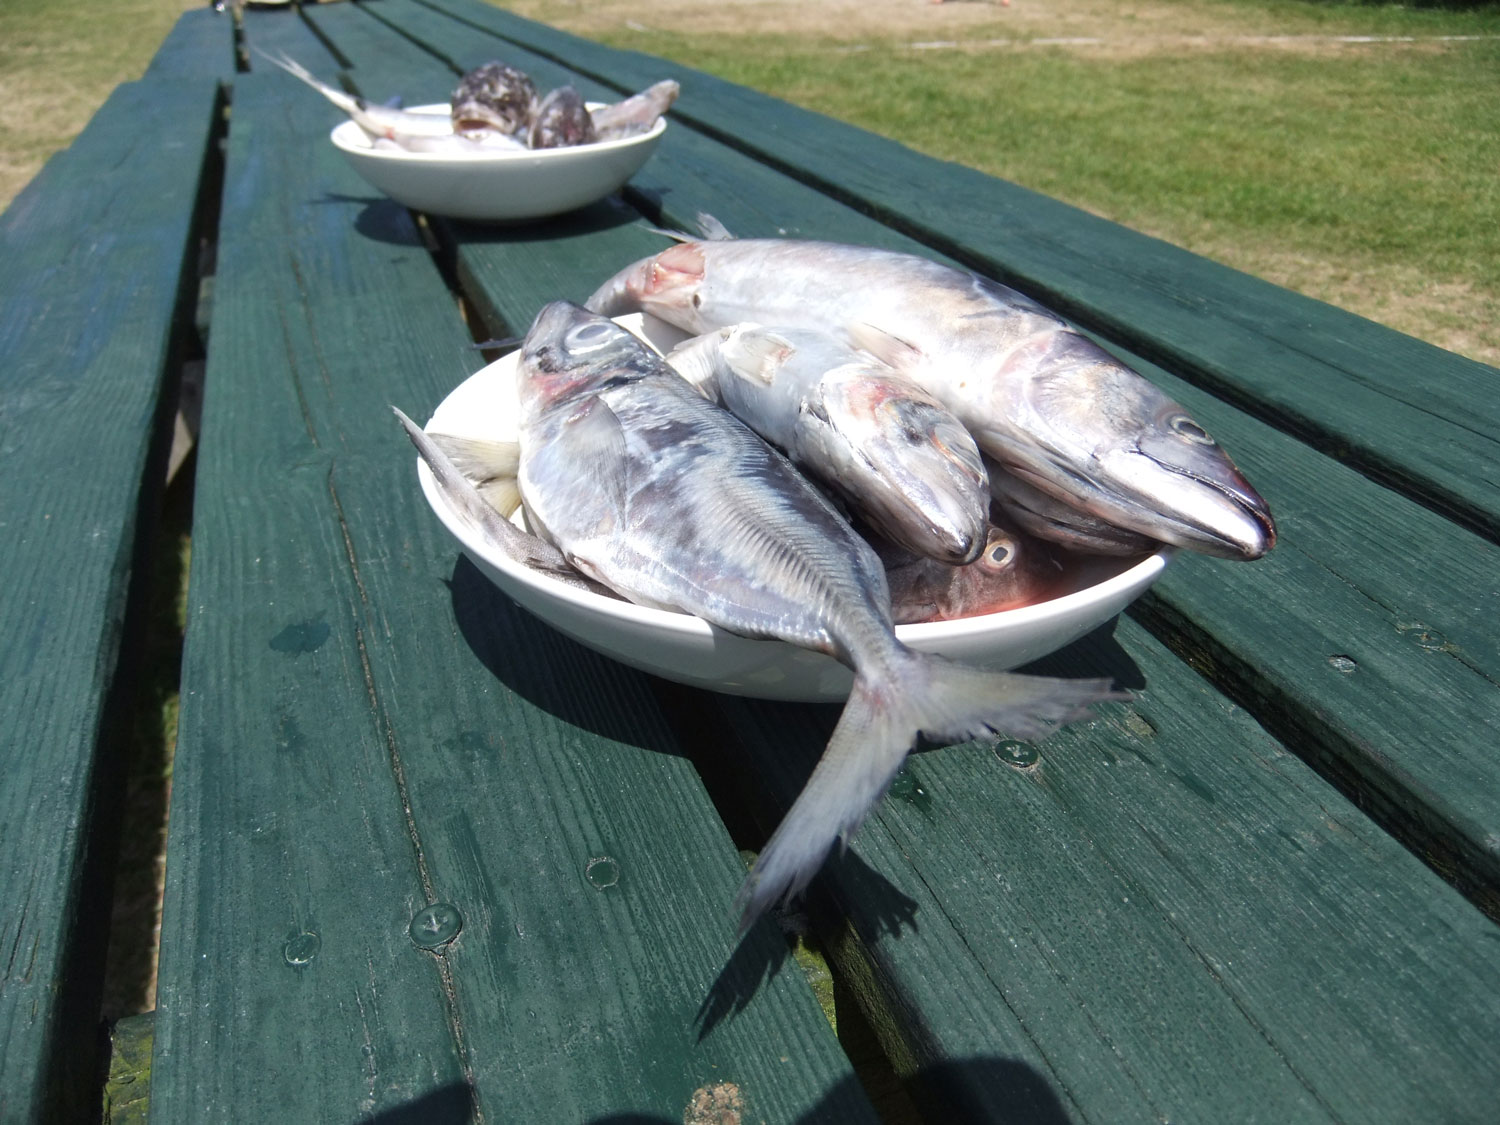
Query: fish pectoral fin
[
  {"x": 755, "y": 352},
  {"x": 596, "y": 444},
  {"x": 884, "y": 346}
]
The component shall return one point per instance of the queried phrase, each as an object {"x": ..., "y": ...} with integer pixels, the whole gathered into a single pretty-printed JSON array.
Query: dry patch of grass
[{"x": 59, "y": 62}]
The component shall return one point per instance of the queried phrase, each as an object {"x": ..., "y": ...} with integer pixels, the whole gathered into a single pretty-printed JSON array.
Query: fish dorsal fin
[
  {"x": 668, "y": 232},
  {"x": 711, "y": 229},
  {"x": 885, "y": 346}
]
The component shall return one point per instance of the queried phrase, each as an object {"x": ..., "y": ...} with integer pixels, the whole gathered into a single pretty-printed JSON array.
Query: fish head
[
  {"x": 562, "y": 120},
  {"x": 1097, "y": 435},
  {"x": 669, "y": 285},
  {"x": 910, "y": 466},
  {"x": 570, "y": 352},
  {"x": 493, "y": 96},
  {"x": 1046, "y": 517},
  {"x": 1011, "y": 570}
]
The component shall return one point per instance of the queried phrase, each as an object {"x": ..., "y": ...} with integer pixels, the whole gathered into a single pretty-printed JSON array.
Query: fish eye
[
  {"x": 588, "y": 336},
  {"x": 999, "y": 554},
  {"x": 1184, "y": 427}
]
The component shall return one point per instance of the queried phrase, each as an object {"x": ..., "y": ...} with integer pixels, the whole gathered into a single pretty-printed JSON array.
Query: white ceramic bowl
[
  {"x": 689, "y": 650},
  {"x": 501, "y": 185}
]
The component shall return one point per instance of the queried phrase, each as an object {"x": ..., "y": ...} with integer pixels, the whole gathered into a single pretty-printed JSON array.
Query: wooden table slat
[{"x": 90, "y": 305}]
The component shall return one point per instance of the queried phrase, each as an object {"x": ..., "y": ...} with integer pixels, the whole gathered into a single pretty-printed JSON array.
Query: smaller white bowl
[
  {"x": 688, "y": 649},
  {"x": 499, "y": 185}
]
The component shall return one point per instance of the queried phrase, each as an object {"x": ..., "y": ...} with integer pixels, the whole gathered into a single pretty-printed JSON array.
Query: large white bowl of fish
[
  {"x": 689, "y": 650},
  {"x": 497, "y": 185}
]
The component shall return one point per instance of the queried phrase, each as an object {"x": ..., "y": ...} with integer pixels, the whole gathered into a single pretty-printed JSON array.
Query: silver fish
[
  {"x": 1043, "y": 400},
  {"x": 561, "y": 121},
  {"x": 493, "y": 97},
  {"x": 899, "y": 458},
  {"x": 378, "y": 121},
  {"x": 653, "y": 491},
  {"x": 1048, "y": 518},
  {"x": 637, "y": 113},
  {"x": 1013, "y": 570}
]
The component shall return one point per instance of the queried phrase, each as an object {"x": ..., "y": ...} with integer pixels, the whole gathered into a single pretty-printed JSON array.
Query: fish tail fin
[
  {"x": 345, "y": 102},
  {"x": 917, "y": 695}
]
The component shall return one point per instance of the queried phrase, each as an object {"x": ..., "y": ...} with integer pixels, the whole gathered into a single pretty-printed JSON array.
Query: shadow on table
[
  {"x": 977, "y": 1089},
  {"x": 762, "y": 950},
  {"x": 546, "y": 668}
]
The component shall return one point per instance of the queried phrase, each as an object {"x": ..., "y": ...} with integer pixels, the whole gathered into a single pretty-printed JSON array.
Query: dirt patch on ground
[
  {"x": 852, "y": 20},
  {"x": 1094, "y": 27}
]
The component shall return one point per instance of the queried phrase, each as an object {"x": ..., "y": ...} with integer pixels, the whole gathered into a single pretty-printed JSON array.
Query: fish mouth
[
  {"x": 1239, "y": 528},
  {"x": 476, "y": 124},
  {"x": 1213, "y": 512}
]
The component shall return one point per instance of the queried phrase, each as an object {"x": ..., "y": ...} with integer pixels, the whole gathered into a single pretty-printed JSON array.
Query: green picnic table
[{"x": 431, "y": 861}]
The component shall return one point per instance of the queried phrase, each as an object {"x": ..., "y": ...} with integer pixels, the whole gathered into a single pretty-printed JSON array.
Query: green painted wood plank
[
  {"x": 1403, "y": 411},
  {"x": 94, "y": 248},
  {"x": 200, "y": 45},
  {"x": 290, "y": 872},
  {"x": 1162, "y": 916},
  {"x": 394, "y": 717}
]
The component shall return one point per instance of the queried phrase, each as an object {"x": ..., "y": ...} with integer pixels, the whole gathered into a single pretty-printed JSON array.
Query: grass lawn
[
  {"x": 1252, "y": 131},
  {"x": 59, "y": 59},
  {"x": 1362, "y": 173}
]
